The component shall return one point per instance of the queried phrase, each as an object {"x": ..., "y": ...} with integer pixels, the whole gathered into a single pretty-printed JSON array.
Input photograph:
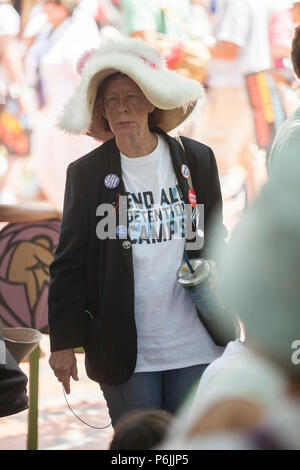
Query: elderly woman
[{"x": 118, "y": 296}]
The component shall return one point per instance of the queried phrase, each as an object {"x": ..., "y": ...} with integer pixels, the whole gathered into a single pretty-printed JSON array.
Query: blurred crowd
[
  {"x": 214, "y": 41},
  {"x": 249, "y": 397}
]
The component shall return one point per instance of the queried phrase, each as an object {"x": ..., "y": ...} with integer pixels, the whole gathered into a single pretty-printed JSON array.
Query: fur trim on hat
[{"x": 173, "y": 95}]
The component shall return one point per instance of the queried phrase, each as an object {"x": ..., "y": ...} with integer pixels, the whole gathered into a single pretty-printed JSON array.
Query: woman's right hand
[{"x": 64, "y": 366}]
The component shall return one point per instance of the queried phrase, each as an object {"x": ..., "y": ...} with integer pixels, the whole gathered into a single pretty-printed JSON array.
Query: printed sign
[{"x": 267, "y": 107}]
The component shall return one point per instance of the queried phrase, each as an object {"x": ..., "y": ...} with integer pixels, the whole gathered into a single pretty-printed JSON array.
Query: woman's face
[{"x": 125, "y": 107}]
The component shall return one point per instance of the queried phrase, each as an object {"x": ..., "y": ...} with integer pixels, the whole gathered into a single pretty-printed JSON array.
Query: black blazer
[{"x": 91, "y": 292}]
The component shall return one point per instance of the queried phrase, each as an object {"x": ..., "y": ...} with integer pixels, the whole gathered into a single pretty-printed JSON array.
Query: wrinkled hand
[{"x": 64, "y": 366}]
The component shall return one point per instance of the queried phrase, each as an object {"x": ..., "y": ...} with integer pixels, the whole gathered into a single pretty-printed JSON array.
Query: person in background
[
  {"x": 51, "y": 70},
  {"x": 148, "y": 19},
  {"x": 12, "y": 81},
  {"x": 36, "y": 21},
  {"x": 200, "y": 23},
  {"x": 109, "y": 19},
  {"x": 15, "y": 97},
  {"x": 287, "y": 141},
  {"x": 170, "y": 26},
  {"x": 281, "y": 32},
  {"x": 296, "y": 11},
  {"x": 141, "y": 430},
  {"x": 241, "y": 47}
]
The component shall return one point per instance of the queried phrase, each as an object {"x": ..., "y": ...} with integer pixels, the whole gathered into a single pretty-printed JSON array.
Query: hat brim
[{"x": 173, "y": 95}]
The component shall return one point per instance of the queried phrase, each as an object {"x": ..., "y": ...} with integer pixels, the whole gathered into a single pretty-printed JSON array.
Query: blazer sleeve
[
  {"x": 67, "y": 288},
  {"x": 215, "y": 230}
]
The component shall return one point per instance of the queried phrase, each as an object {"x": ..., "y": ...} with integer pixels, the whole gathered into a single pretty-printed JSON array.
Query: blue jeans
[{"x": 152, "y": 390}]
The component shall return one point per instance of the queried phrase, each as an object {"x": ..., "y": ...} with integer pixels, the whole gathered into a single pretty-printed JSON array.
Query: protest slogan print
[
  {"x": 138, "y": 218},
  {"x": 155, "y": 223}
]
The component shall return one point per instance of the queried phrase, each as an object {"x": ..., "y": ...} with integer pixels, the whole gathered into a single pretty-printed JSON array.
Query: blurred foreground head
[
  {"x": 141, "y": 430},
  {"x": 260, "y": 272}
]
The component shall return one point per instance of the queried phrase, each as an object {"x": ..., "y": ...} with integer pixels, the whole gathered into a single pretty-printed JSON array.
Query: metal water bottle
[{"x": 201, "y": 286}]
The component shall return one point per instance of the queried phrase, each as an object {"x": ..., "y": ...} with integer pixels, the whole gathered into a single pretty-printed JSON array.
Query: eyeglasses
[{"x": 131, "y": 100}]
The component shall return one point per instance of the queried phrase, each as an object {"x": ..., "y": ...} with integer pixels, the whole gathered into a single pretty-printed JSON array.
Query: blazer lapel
[
  {"x": 112, "y": 195},
  {"x": 179, "y": 159}
]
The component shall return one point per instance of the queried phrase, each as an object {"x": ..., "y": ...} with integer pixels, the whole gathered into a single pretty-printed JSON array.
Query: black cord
[{"x": 84, "y": 422}]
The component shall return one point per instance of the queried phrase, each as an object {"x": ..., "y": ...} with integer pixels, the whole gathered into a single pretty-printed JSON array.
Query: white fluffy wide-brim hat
[{"x": 173, "y": 95}]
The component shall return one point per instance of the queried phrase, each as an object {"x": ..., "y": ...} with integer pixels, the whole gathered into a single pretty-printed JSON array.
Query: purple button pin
[{"x": 111, "y": 181}]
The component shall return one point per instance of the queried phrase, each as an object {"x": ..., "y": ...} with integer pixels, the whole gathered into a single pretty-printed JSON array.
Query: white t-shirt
[
  {"x": 169, "y": 332},
  {"x": 244, "y": 23}
]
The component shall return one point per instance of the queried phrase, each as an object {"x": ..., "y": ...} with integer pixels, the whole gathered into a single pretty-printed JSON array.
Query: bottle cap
[{"x": 201, "y": 271}]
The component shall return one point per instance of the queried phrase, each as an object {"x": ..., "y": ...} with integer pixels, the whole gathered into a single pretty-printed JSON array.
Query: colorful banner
[{"x": 266, "y": 103}]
